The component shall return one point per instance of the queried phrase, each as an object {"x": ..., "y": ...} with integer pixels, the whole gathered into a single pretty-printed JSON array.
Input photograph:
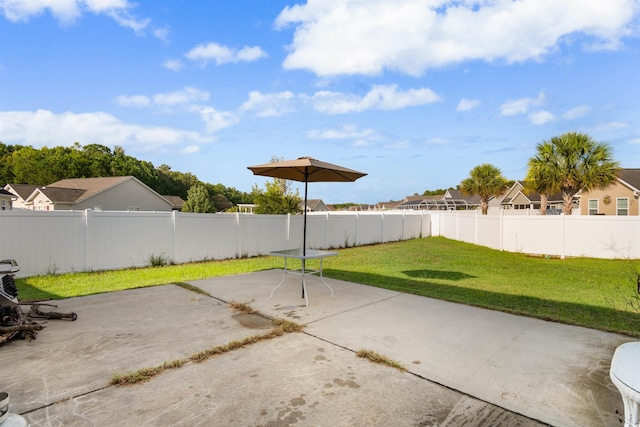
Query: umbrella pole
[{"x": 304, "y": 231}]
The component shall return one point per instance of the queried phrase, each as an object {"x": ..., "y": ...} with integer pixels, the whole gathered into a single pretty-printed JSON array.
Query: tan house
[
  {"x": 517, "y": 197},
  {"x": 315, "y": 205},
  {"x": 387, "y": 206},
  {"x": 121, "y": 193},
  {"x": 22, "y": 193},
  {"x": 619, "y": 199}
]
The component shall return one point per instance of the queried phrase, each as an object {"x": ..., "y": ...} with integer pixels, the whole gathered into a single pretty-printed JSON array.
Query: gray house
[{"x": 6, "y": 200}]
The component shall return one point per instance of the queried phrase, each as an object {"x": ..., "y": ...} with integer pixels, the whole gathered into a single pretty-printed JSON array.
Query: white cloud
[
  {"x": 467, "y": 104},
  {"x": 514, "y": 107},
  {"x": 161, "y": 34},
  {"x": 45, "y": 128},
  {"x": 380, "y": 97},
  {"x": 541, "y": 117},
  {"x": 223, "y": 54},
  {"x": 191, "y": 149},
  {"x": 215, "y": 120},
  {"x": 611, "y": 126},
  {"x": 410, "y": 36},
  {"x": 576, "y": 112},
  {"x": 187, "y": 95},
  {"x": 635, "y": 141},
  {"x": 269, "y": 104},
  {"x": 68, "y": 11},
  {"x": 347, "y": 131},
  {"x": 134, "y": 101},
  {"x": 173, "y": 64}
]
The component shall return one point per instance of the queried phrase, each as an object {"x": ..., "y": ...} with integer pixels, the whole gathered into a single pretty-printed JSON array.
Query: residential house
[
  {"x": 387, "y": 206},
  {"x": 6, "y": 199},
  {"x": 22, "y": 193},
  {"x": 121, "y": 193},
  {"x": 177, "y": 202},
  {"x": 620, "y": 198},
  {"x": 450, "y": 200},
  {"x": 517, "y": 197},
  {"x": 315, "y": 205}
]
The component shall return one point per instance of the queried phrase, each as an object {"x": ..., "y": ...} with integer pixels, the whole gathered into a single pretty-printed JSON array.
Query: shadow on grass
[
  {"x": 437, "y": 274},
  {"x": 607, "y": 319},
  {"x": 29, "y": 293}
]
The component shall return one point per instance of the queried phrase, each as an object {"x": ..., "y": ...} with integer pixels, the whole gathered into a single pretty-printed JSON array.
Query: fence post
[
  {"x": 475, "y": 229},
  {"x": 564, "y": 235},
  {"x": 501, "y": 229},
  {"x": 87, "y": 255},
  {"x": 173, "y": 236},
  {"x": 326, "y": 231},
  {"x": 238, "y": 234}
]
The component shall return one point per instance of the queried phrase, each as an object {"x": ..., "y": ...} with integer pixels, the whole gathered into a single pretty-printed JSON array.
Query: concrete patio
[{"x": 466, "y": 366}]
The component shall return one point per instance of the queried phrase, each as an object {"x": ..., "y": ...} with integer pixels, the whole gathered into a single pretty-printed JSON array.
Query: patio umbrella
[{"x": 306, "y": 169}]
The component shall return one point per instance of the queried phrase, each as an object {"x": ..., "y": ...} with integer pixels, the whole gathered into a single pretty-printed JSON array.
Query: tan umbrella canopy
[{"x": 306, "y": 169}]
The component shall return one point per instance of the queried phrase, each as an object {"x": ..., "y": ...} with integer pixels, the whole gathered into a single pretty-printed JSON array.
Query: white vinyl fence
[
  {"x": 555, "y": 235},
  {"x": 75, "y": 241}
]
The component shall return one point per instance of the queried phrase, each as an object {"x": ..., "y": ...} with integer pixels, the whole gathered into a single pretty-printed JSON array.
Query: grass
[
  {"x": 589, "y": 292},
  {"x": 280, "y": 327},
  {"x": 378, "y": 358}
]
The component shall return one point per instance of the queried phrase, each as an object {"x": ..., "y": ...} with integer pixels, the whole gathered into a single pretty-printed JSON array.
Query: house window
[
  {"x": 133, "y": 208},
  {"x": 4, "y": 205},
  {"x": 593, "y": 206},
  {"x": 622, "y": 206}
]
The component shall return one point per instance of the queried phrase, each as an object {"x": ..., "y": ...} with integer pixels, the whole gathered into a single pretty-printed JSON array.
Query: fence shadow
[
  {"x": 596, "y": 317},
  {"x": 437, "y": 274},
  {"x": 30, "y": 293}
]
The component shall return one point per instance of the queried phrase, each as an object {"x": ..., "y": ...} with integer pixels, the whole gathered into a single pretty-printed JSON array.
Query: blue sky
[{"x": 413, "y": 92}]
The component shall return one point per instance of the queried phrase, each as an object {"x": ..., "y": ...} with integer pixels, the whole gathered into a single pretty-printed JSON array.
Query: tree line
[{"x": 27, "y": 165}]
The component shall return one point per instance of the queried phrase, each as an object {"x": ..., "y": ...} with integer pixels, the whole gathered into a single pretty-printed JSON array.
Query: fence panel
[
  {"x": 127, "y": 239},
  {"x": 43, "y": 242},
  {"x": 199, "y": 237},
  {"x": 557, "y": 235},
  {"x": 608, "y": 237}
]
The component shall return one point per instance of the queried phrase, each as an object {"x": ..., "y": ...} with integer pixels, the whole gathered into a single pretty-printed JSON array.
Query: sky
[{"x": 415, "y": 93}]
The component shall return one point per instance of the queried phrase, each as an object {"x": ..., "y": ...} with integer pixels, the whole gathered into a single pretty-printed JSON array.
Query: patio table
[{"x": 303, "y": 256}]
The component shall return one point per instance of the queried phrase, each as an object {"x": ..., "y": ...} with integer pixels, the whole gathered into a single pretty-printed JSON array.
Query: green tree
[
  {"x": 485, "y": 181},
  {"x": 541, "y": 177},
  {"x": 277, "y": 199},
  {"x": 198, "y": 200},
  {"x": 573, "y": 162}
]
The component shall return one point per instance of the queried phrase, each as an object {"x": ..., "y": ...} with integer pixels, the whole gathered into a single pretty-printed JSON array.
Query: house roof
[
  {"x": 176, "y": 201},
  {"x": 90, "y": 186},
  {"x": 631, "y": 177},
  {"x": 22, "y": 190},
  {"x": 313, "y": 204},
  {"x": 4, "y": 192},
  {"x": 60, "y": 195},
  {"x": 388, "y": 205}
]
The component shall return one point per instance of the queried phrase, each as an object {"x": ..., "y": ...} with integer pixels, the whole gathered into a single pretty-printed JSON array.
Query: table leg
[
  {"x": 284, "y": 277},
  {"x": 322, "y": 277}
]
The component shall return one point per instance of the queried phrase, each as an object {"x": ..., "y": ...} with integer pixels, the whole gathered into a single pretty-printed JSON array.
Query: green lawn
[{"x": 582, "y": 291}]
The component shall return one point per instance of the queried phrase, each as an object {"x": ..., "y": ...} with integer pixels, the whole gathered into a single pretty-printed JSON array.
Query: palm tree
[
  {"x": 486, "y": 181},
  {"x": 573, "y": 162},
  {"x": 540, "y": 176}
]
